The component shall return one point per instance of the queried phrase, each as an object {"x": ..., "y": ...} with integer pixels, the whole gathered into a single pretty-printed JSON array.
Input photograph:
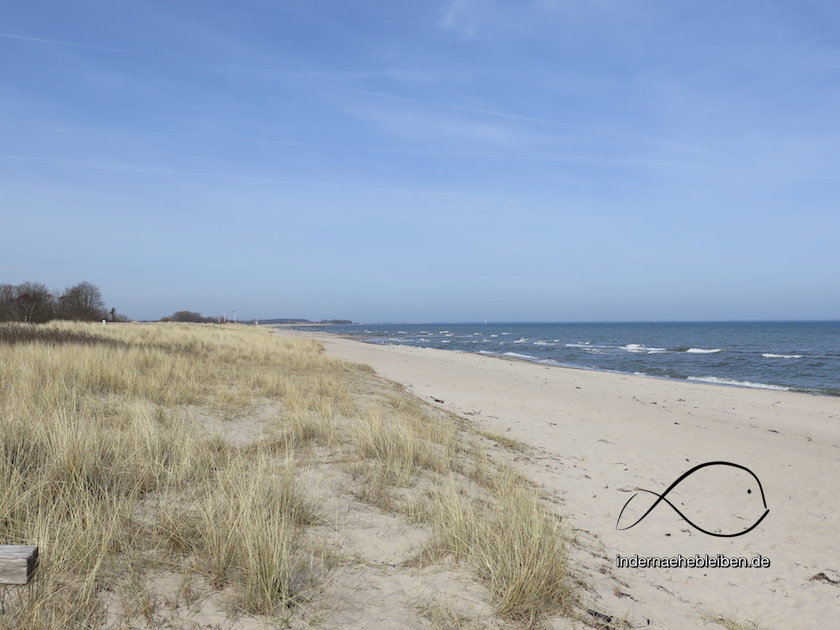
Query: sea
[{"x": 792, "y": 356}]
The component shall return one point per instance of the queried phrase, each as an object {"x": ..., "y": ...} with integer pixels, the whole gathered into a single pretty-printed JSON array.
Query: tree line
[
  {"x": 190, "y": 316},
  {"x": 33, "y": 302}
]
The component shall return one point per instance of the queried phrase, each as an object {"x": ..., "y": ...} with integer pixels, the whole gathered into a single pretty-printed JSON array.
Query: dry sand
[{"x": 599, "y": 437}]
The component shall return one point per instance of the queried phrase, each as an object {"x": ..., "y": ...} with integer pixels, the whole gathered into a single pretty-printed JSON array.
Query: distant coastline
[{"x": 301, "y": 322}]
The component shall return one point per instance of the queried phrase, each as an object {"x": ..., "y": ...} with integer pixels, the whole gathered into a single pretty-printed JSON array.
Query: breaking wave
[{"x": 729, "y": 381}]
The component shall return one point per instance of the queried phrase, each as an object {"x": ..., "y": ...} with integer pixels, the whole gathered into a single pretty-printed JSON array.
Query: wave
[
  {"x": 517, "y": 355},
  {"x": 769, "y": 355},
  {"x": 640, "y": 348},
  {"x": 729, "y": 381},
  {"x": 695, "y": 350}
]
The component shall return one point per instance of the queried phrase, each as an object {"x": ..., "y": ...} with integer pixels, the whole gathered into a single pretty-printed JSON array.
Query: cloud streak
[
  {"x": 66, "y": 43},
  {"x": 664, "y": 142}
]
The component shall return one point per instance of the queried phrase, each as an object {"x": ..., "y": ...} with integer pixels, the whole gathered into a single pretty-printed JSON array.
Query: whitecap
[
  {"x": 703, "y": 350},
  {"x": 517, "y": 355},
  {"x": 770, "y": 355},
  {"x": 728, "y": 381}
]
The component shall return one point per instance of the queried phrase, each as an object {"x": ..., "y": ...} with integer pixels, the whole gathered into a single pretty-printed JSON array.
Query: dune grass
[
  {"x": 109, "y": 465},
  {"x": 510, "y": 542},
  {"x": 733, "y": 622},
  {"x": 95, "y": 420}
]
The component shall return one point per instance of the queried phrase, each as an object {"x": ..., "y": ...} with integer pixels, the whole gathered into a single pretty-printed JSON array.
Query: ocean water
[{"x": 797, "y": 356}]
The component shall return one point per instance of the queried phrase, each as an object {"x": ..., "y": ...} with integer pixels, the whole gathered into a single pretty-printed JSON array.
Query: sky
[{"x": 442, "y": 160}]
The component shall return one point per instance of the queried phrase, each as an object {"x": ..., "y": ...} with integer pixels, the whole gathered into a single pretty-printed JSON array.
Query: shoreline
[
  {"x": 555, "y": 364},
  {"x": 597, "y": 437}
]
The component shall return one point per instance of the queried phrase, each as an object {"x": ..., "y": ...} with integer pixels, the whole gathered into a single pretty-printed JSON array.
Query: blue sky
[{"x": 443, "y": 160}]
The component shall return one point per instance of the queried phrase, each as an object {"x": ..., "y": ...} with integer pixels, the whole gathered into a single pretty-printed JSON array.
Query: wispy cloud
[
  {"x": 122, "y": 167},
  {"x": 66, "y": 43},
  {"x": 663, "y": 142},
  {"x": 616, "y": 18},
  {"x": 457, "y": 18}
]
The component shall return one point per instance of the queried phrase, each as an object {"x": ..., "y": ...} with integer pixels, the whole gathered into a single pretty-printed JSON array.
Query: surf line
[{"x": 662, "y": 497}]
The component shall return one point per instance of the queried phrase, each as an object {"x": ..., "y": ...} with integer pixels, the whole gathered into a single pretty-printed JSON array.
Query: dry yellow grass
[
  {"x": 510, "y": 541},
  {"x": 108, "y": 463},
  {"x": 90, "y": 431},
  {"x": 733, "y": 622}
]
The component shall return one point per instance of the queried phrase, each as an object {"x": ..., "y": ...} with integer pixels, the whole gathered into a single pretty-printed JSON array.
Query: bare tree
[
  {"x": 8, "y": 310},
  {"x": 82, "y": 302},
  {"x": 34, "y": 303}
]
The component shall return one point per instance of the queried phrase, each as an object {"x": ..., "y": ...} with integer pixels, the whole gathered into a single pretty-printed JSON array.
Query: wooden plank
[{"x": 17, "y": 563}]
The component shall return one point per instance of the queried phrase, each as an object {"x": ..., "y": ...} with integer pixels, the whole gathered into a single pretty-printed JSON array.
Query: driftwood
[{"x": 17, "y": 563}]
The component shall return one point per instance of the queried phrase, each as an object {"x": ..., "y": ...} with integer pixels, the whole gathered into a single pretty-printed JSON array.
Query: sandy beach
[{"x": 600, "y": 438}]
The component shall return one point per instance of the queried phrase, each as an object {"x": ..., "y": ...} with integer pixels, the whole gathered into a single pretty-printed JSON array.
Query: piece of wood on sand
[{"x": 17, "y": 563}]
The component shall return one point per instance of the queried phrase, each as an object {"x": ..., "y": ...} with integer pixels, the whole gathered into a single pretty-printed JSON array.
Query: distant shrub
[
  {"x": 188, "y": 316},
  {"x": 12, "y": 334}
]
